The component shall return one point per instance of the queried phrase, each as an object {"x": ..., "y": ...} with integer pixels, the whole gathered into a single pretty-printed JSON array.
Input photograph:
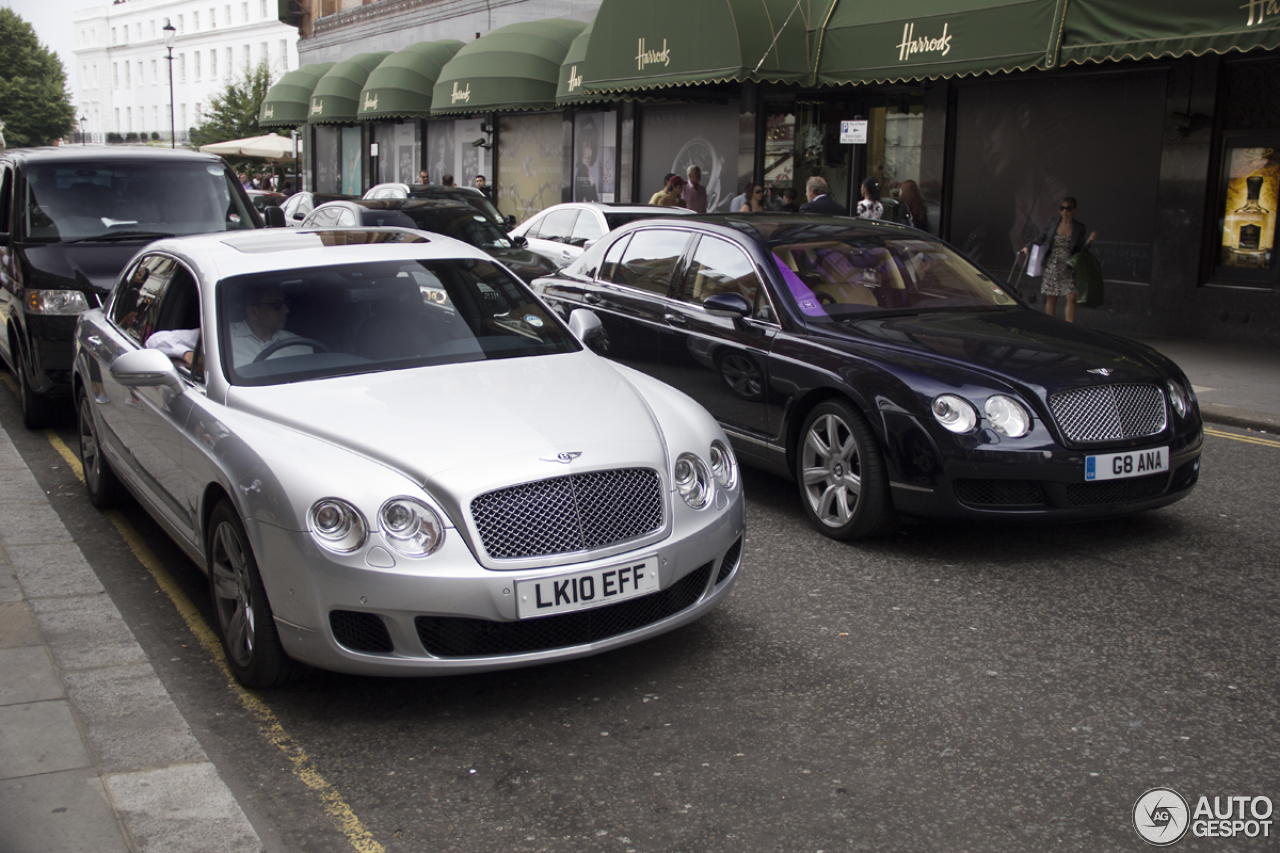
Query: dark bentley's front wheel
[
  {"x": 245, "y": 622},
  {"x": 840, "y": 468}
]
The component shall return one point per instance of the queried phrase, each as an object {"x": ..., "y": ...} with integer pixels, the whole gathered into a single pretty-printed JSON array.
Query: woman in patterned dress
[{"x": 1061, "y": 239}]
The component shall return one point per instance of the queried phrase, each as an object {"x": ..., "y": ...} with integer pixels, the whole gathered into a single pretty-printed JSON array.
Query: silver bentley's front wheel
[{"x": 245, "y": 623}]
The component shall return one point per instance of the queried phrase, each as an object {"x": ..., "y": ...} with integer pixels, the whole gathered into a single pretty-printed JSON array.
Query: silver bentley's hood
[{"x": 467, "y": 428}]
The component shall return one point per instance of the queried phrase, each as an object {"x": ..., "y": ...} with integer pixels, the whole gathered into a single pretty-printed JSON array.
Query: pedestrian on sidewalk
[{"x": 1061, "y": 238}]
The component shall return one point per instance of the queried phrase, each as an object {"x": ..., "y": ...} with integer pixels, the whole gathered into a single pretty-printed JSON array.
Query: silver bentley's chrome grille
[
  {"x": 574, "y": 513},
  {"x": 1109, "y": 412}
]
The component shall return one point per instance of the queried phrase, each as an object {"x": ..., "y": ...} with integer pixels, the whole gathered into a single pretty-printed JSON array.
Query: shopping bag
[
  {"x": 1035, "y": 261},
  {"x": 1088, "y": 279}
]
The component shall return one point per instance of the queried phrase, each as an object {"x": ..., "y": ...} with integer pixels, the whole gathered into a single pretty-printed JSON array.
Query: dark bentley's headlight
[
  {"x": 337, "y": 525},
  {"x": 955, "y": 413},
  {"x": 723, "y": 466},
  {"x": 693, "y": 480},
  {"x": 1007, "y": 416},
  {"x": 410, "y": 527},
  {"x": 1179, "y": 397}
]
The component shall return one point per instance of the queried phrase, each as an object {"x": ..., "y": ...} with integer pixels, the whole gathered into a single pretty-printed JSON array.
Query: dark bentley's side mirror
[
  {"x": 731, "y": 305},
  {"x": 273, "y": 215}
]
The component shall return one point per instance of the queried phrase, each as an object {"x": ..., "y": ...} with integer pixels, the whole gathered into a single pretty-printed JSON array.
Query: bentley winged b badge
[{"x": 563, "y": 458}]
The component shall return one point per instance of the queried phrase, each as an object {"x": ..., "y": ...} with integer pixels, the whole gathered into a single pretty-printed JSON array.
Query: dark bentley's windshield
[
  {"x": 143, "y": 199},
  {"x": 358, "y": 318},
  {"x": 836, "y": 273}
]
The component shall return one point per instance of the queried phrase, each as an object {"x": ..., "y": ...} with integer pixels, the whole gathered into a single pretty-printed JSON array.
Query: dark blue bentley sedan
[{"x": 887, "y": 374}]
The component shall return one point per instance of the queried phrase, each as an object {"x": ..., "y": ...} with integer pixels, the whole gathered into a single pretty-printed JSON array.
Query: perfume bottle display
[{"x": 1249, "y": 219}]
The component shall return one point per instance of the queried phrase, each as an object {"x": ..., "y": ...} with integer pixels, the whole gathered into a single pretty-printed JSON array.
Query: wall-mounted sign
[{"x": 853, "y": 132}]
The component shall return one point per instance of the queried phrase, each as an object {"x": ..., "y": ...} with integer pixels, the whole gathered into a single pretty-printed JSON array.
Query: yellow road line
[
  {"x": 1250, "y": 439},
  {"x": 343, "y": 818}
]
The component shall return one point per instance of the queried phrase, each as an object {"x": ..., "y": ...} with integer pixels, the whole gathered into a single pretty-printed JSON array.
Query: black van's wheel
[
  {"x": 100, "y": 481},
  {"x": 840, "y": 469},
  {"x": 245, "y": 623},
  {"x": 35, "y": 408}
]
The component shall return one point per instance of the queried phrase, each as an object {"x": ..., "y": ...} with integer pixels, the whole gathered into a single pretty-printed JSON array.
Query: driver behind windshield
[{"x": 265, "y": 313}]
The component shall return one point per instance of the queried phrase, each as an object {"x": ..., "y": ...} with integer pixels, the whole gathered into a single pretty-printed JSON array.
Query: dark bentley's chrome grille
[
  {"x": 1109, "y": 412},
  {"x": 574, "y": 513}
]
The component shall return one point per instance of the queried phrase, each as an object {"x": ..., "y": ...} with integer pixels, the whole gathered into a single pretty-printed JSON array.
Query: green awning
[
  {"x": 289, "y": 100},
  {"x": 1102, "y": 30},
  {"x": 336, "y": 98},
  {"x": 645, "y": 45},
  {"x": 401, "y": 86},
  {"x": 569, "y": 90},
  {"x": 516, "y": 67},
  {"x": 883, "y": 41}
]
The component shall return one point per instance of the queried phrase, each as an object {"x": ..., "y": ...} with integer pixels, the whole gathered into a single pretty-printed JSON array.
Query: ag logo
[{"x": 1161, "y": 816}]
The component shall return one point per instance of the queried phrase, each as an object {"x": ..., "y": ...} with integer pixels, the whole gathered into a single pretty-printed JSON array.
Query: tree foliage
[
  {"x": 34, "y": 102},
  {"x": 233, "y": 114}
]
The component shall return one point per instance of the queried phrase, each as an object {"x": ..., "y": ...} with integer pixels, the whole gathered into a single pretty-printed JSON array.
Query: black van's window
[
  {"x": 6, "y": 197},
  {"x": 108, "y": 200}
]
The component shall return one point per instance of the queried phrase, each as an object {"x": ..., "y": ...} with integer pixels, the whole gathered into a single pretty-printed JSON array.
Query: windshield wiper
[{"x": 119, "y": 236}]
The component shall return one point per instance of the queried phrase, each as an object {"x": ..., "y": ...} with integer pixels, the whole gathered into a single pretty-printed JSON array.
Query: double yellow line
[
  {"x": 1249, "y": 439},
  {"x": 303, "y": 768}
]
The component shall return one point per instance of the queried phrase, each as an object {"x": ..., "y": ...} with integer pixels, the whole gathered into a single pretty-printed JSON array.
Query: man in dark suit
[{"x": 815, "y": 189}]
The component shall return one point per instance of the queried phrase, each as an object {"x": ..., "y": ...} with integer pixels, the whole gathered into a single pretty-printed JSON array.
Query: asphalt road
[{"x": 951, "y": 688}]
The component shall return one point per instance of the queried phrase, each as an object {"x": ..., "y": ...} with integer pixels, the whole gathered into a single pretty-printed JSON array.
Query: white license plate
[
  {"x": 584, "y": 590},
  {"x": 1135, "y": 463}
]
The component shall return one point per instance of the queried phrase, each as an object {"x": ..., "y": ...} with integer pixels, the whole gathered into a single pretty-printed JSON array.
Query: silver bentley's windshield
[
  {"x": 844, "y": 273},
  {"x": 357, "y": 318}
]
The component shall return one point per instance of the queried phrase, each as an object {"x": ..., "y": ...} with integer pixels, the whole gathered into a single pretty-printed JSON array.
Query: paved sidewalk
[
  {"x": 1237, "y": 385},
  {"x": 94, "y": 755}
]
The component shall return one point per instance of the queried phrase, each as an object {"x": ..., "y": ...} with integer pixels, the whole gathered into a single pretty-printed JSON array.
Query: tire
[
  {"x": 36, "y": 410},
  {"x": 840, "y": 470},
  {"x": 100, "y": 481},
  {"x": 245, "y": 623}
]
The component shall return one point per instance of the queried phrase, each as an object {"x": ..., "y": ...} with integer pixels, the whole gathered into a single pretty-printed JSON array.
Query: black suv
[
  {"x": 450, "y": 218},
  {"x": 70, "y": 219}
]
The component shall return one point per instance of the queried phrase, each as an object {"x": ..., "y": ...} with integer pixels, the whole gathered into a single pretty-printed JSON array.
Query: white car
[
  {"x": 562, "y": 231},
  {"x": 391, "y": 458}
]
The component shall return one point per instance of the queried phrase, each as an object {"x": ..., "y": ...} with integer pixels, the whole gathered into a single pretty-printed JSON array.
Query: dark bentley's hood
[
  {"x": 79, "y": 266},
  {"x": 1022, "y": 346}
]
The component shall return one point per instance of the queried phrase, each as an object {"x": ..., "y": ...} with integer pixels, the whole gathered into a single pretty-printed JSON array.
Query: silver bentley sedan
[{"x": 391, "y": 458}]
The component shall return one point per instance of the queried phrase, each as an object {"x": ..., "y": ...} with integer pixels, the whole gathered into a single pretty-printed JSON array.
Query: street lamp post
[
  {"x": 170, "y": 33},
  {"x": 82, "y": 139}
]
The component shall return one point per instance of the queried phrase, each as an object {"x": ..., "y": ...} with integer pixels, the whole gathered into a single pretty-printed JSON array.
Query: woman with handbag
[{"x": 1061, "y": 238}]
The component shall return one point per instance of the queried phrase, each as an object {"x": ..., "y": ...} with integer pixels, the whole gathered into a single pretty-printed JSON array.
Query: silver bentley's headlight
[
  {"x": 1178, "y": 397},
  {"x": 693, "y": 480},
  {"x": 337, "y": 525},
  {"x": 723, "y": 466},
  {"x": 1007, "y": 416},
  {"x": 955, "y": 413},
  {"x": 410, "y": 527}
]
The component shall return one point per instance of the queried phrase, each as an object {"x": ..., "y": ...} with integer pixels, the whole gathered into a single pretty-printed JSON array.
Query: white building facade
[{"x": 122, "y": 65}]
